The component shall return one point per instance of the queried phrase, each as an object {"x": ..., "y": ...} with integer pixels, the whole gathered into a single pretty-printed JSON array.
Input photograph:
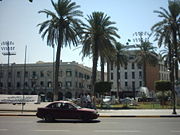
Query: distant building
[
  {"x": 131, "y": 76},
  {"x": 74, "y": 79}
]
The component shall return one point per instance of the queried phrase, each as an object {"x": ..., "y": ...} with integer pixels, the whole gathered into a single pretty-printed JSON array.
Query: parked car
[
  {"x": 128, "y": 101},
  {"x": 107, "y": 99},
  {"x": 65, "y": 110}
]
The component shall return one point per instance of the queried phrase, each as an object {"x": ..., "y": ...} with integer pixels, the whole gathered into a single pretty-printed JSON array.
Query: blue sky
[{"x": 19, "y": 19}]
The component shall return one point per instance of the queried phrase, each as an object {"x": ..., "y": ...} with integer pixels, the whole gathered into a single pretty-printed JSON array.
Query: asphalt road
[{"x": 103, "y": 126}]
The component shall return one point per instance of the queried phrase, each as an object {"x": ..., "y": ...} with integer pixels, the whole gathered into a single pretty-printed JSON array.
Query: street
[{"x": 115, "y": 126}]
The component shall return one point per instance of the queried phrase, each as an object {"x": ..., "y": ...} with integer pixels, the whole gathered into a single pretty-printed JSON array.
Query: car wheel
[{"x": 48, "y": 118}]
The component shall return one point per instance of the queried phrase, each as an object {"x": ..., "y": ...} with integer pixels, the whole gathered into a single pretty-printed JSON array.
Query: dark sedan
[{"x": 66, "y": 110}]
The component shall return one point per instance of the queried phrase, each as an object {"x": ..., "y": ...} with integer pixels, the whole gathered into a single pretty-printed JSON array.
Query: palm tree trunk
[
  {"x": 171, "y": 66},
  {"x": 174, "y": 66},
  {"x": 117, "y": 72},
  {"x": 175, "y": 52},
  {"x": 94, "y": 69},
  {"x": 170, "y": 60},
  {"x": 108, "y": 71},
  {"x": 57, "y": 65},
  {"x": 144, "y": 72},
  {"x": 102, "y": 68}
]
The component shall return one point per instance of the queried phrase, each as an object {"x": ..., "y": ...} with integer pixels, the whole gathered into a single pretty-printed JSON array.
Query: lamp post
[
  {"x": 23, "y": 102},
  {"x": 8, "y": 49},
  {"x": 173, "y": 85}
]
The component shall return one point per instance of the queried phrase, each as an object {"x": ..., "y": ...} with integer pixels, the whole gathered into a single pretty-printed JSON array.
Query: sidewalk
[{"x": 30, "y": 110}]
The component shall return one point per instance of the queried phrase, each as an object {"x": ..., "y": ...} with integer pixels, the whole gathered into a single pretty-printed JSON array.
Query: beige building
[
  {"x": 37, "y": 78},
  {"x": 131, "y": 76}
]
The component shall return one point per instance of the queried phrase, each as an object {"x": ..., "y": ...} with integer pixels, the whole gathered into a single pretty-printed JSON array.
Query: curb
[{"x": 140, "y": 116}]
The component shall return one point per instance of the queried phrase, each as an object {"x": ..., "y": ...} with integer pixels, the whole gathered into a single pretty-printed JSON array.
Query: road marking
[
  {"x": 175, "y": 131},
  {"x": 117, "y": 131},
  {"x": 51, "y": 130},
  {"x": 13, "y": 122},
  {"x": 3, "y": 129}
]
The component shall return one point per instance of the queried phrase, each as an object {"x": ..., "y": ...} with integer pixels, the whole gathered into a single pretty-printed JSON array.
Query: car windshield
[
  {"x": 77, "y": 106},
  {"x": 107, "y": 97}
]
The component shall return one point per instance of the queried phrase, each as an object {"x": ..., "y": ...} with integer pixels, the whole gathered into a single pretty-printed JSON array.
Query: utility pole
[
  {"x": 8, "y": 49},
  {"x": 23, "y": 103}
]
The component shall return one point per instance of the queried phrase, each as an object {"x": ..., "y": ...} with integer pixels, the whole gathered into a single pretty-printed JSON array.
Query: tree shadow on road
[{"x": 69, "y": 121}]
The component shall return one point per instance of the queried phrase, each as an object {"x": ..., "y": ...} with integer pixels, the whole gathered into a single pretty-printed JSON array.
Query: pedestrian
[
  {"x": 83, "y": 100},
  {"x": 88, "y": 97}
]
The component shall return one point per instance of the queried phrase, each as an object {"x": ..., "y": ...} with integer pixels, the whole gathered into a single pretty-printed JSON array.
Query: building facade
[
  {"x": 37, "y": 78},
  {"x": 131, "y": 76}
]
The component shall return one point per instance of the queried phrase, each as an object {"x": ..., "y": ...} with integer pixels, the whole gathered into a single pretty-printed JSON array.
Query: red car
[{"x": 66, "y": 110}]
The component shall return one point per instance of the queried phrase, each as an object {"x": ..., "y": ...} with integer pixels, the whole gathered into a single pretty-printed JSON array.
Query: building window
[
  {"x": 68, "y": 84},
  {"x": 68, "y": 73},
  {"x": 1, "y": 84},
  {"x": 139, "y": 66},
  {"x": 33, "y": 84},
  {"x": 18, "y": 74},
  {"x": 60, "y": 84},
  {"x": 112, "y": 76},
  {"x": 126, "y": 75},
  {"x": 33, "y": 73},
  {"x": 111, "y": 66},
  {"x": 1, "y": 74},
  {"x": 140, "y": 74},
  {"x": 9, "y": 84},
  {"x": 140, "y": 83},
  {"x": 80, "y": 85},
  {"x": 9, "y": 74},
  {"x": 49, "y": 84},
  {"x": 88, "y": 77},
  {"x": 126, "y": 84},
  {"x": 41, "y": 83},
  {"x": 132, "y": 66},
  {"x": 125, "y": 66},
  {"x": 41, "y": 74},
  {"x": 133, "y": 85},
  {"x": 84, "y": 76},
  {"x": 119, "y": 75},
  {"x": 76, "y": 74},
  {"x": 80, "y": 75},
  {"x": 18, "y": 85},
  {"x": 133, "y": 75},
  {"x": 26, "y": 74},
  {"x": 26, "y": 84},
  {"x": 89, "y": 86}
]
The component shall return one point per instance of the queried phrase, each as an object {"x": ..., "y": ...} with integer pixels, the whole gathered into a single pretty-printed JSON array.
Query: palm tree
[
  {"x": 146, "y": 55},
  {"x": 163, "y": 35},
  {"x": 98, "y": 37},
  {"x": 61, "y": 29},
  {"x": 119, "y": 59},
  {"x": 170, "y": 25},
  {"x": 105, "y": 56}
]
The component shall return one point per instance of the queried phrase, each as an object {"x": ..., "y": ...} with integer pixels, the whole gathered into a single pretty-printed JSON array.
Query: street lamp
[
  {"x": 173, "y": 85},
  {"x": 8, "y": 49}
]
